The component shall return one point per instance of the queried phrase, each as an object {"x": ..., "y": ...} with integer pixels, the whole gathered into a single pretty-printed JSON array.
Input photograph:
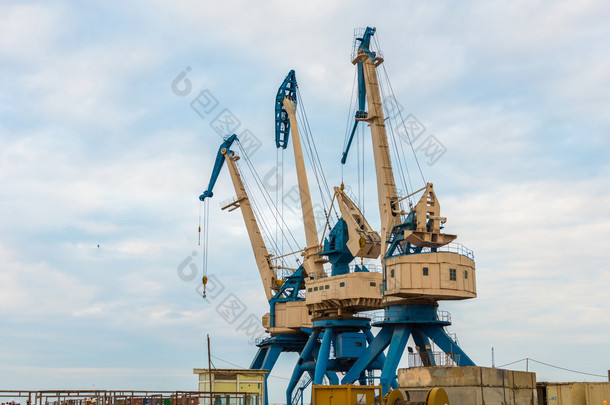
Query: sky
[{"x": 108, "y": 134}]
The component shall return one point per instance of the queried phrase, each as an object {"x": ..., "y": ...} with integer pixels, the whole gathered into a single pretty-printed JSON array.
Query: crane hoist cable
[
  {"x": 401, "y": 165},
  {"x": 350, "y": 116},
  {"x": 206, "y": 229},
  {"x": 268, "y": 201},
  {"x": 199, "y": 227},
  {"x": 265, "y": 229},
  {"x": 387, "y": 77},
  {"x": 312, "y": 152}
]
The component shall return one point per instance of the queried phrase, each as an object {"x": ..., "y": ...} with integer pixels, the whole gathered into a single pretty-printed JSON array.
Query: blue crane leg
[
  {"x": 372, "y": 352},
  {"x": 422, "y": 342},
  {"x": 369, "y": 340},
  {"x": 397, "y": 347},
  {"x": 380, "y": 361},
  {"x": 257, "y": 362},
  {"x": 305, "y": 356},
  {"x": 272, "y": 354},
  {"x": 362, "y": 378},
  {"x": 265, "y": 360},
  {"x": 442, "y": 340},
  {"x": 322, "y": 361},
  {"x": 332, "y": 377}
]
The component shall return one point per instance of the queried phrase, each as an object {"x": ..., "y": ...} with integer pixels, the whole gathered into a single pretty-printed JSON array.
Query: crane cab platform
[
  {"x": 289, "y": 317},
  {"x": 431, "y": 275},
  {"x": 351, "y": 292}
]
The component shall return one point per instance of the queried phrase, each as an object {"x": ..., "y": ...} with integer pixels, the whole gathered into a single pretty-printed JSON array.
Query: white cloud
[{"x": 34, "y": 290}]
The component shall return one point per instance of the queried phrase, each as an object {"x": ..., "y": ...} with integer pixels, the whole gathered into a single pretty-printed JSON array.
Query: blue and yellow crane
[{"x": 315, "y": 310}]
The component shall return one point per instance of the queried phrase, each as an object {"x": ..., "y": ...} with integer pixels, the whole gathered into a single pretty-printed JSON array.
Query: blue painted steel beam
[
  {"x": 282, "y": 123},
  {"x": 371, "y": 353},
  {"x": 365, "y": 42},
  {"x": 395, "y": 351},
  {"x": 306, "y": 355},
  {"x": 220, "y": 159},
  {"x": 323, "y": 355},
  {"x": 380, "y": 360},
  {"x": 257, "y": 362},
  {"x": 422, "y": 342},
  {"x": 332, "y": 377},
  {"x": 442, "y": 340}
]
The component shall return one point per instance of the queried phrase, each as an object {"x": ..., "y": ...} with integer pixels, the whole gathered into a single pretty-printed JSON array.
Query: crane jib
[
  {"x": 282, "y": 123},
  {"x": 218, "y": 166}
]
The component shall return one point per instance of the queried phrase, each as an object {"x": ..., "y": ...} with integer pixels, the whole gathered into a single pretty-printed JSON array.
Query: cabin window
[
  {"x": 341, "y": 284},
  {"x": 466, "y": 274},
  {"x": 309, "y": 289},
  {"x": 425, "y": 271},
  {"x": 373, "y": 284},
  {"x": 315, "y": 288},
  {"x": 392, "y": 273},
  {"x": 452, "y": 274},
  {"x": 326, "y": 287}
]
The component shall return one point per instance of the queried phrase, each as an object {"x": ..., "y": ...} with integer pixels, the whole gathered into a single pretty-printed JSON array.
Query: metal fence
[
  {"x": 453, "y": 247},
  {"x": 104, "y": 397},
  {"x": 434, "y": 358}
]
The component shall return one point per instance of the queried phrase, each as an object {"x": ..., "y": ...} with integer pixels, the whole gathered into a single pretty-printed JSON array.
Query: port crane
[
  {"x": 288, "y": 320},
  {"x": 419, "y": 269},
  {"x": 334, "y": 299}
]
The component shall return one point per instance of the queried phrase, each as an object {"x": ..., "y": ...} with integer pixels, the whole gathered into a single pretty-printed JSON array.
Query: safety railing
[
  {"x": 260, "y": 340},
  {"x": 228, "y": 201},
  {"x": 433, "y": 358},
  {"x": 359, "y": 33},
  {"x": 442, "y": 316},
  {"x": 372, "y": 268},
  {"x": 103, "y": 397},
  {"x": 453, "y": 247}
]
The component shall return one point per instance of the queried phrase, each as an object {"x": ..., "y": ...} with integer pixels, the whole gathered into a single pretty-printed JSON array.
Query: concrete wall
[
  {"x": 474, "y": 385},
  {"x": 585, "y": 393}
]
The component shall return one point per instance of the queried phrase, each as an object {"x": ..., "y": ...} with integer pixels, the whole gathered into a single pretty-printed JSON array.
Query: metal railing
[
  {"x": 453, "y": 247},
  {"x": 442, "y": 316},
  {"x": 436, "y": 358},
  {"x": 228, "y": 201},
  {"x": 260, "y": 340},
  {"x": 372, "y": 268},
  {"x": 104, "y": 397}
]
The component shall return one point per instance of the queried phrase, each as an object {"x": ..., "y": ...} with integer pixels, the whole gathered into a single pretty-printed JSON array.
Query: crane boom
[
  {"x": 313, "y": 264},
  {"x": 242, "y": 201},
  {"x": 285, "y": 122},
  {"x": 386, "y": 187},
  {"x": 217, "y": 167}
]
